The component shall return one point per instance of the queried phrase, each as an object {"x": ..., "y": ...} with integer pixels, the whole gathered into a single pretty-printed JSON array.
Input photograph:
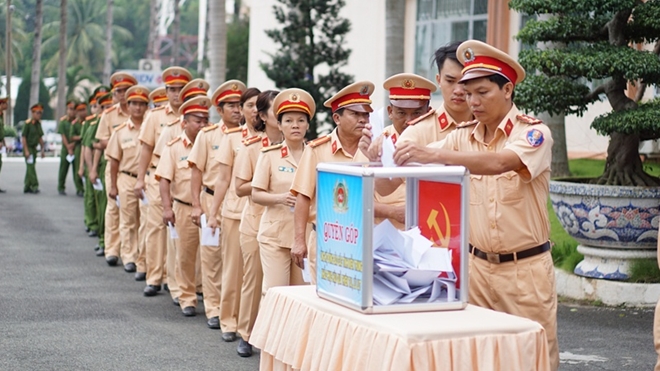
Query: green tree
[
  {"x": 597, "y": 60},
  {"x": 312, "y": 35},
  {"x": 238, "y": 37},
  {"x": 75, "y": 75},
  {"x": 22, "y": 108},
  {"x": 19, "y": 38}
]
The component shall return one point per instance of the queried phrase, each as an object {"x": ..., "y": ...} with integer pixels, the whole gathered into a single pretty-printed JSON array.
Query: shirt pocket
[
  {"x": 508, "y": 187},
  {"x": 128, "y": 145},
  {"x": 477, "y": 183}
]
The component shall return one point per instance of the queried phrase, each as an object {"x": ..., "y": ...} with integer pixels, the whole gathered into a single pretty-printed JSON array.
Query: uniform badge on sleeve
[{"x": 535, "y": 137}]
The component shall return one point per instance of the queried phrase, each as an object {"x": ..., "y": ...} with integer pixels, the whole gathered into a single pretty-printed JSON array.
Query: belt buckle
[{"x": 493, "y": 258}]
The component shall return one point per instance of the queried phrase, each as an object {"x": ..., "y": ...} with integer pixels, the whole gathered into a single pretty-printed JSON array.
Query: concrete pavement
[{"x": 62, "y": 308}]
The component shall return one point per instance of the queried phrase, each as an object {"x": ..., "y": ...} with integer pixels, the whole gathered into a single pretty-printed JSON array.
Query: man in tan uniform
[
  {"x": 508, "y": 155},
  {"x": 205, "y": 174},
  {"x": 174, "y": 174},
  {"x": 158, "y": 97},
  {"x": 123, "y": 151},
  {"x": 350, "y": 112},
  {"x": 227, "y": 97},
  {"x": 156, "y": 233},
  {"x": 110, "y": 119}
]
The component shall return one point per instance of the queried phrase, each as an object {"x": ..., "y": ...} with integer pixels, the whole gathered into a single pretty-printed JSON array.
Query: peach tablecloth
[{"x": 297, "y": 330}]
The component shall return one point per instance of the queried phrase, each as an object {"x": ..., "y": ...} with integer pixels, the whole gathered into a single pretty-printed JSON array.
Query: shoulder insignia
[
  {"x": 467, "y": 124},
  {"x": 528, "y": 119},
  {"x": 158, "y": 108},
  {"x": 172, "y": 122},
  {"x": 270, "y": 148},
  {"x": 63, "y": 118},
  {"x": 420, "y": 118},
  {"x": 250, "y": 141},
  {"x": 209, "y": 128},
  {"x": 121, "y": 126},
  {"x": 108, "y": 110},
  {"x": 318, "y": 141},
  {"x": 233, "y": 130},
  {"x": 90, "y": 117},
  {"x": 28, "y": 121},
  {"x": 173, "y": 141}
]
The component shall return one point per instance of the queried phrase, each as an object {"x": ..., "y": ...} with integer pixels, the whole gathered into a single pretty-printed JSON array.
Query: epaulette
[
  {"x": 209, "y": 128},
  {"x": 250, "y": 141},
  {"x": 173, "y": 122},
  {"x": 28, "y": 121},
  {"x": 318, "y": 141},
  {"x": 270, "y": 148},
  {"x": 233, "y": 130},
  {"x": 63, "y": 118},
  {"x": 120, "y": 126},
  {"x": 90, "y": 117},
  {"x": 420, "y": 118},
  {"x": 528, "y": 119},
  {"x": 157, "y": 108},
  {"x": 108, "y": 110},
  {"x": 173, "y": 141},
  {"x": 467, "y": 124}
]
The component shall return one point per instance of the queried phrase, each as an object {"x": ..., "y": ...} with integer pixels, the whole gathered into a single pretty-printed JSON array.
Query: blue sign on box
[{"x": 339, "y": 217}]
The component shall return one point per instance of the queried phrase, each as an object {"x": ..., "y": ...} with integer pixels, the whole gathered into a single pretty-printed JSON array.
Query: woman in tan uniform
[
  {"x": 270, "y": 187},
  {"x": 267, "y": 133}
]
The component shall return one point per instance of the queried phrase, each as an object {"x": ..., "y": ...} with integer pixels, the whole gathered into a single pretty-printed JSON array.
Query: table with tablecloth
[{"x": 297, "y": 330}]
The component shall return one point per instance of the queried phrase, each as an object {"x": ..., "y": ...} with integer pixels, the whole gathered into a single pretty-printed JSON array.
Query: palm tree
[
  {"x": 18, "y": 37},
  {"x": 75, "y": 75},
  {"x": 176, "y": 28},
  {"x": 217, "y": 51},
  {"x": 154, "y": 7},
  {"x": 36, "y": 54},
  {"x": 107, "y": 63}
]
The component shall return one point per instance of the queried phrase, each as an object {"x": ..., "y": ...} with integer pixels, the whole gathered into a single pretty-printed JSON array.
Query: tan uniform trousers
[
  {"x": 656, "y": 334},
  {"x": 232, "y": 275},
  {"x": 111, "y": 236},
  {"x": 211, "y": 258},
  {"x": 186, "y": 254},
  {"x": 524, "y": 288},
  {"x": 311, "y": 255},
  {"x": 156, "y": 234},
  {"x": 251, "y": 289},
  {"x": 278, "y": 267},
  {"x": 131, "y": 220}
]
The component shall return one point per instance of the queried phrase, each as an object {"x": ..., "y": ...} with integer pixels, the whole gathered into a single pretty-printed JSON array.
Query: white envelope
[
  {"x": 30, "y": 159},
  {"x": 98, "y": 185},
  {"x": 70, "y": 158},
  {"x": 209, "y": 238},
  {"x": 307, "y": 277},
  {"x": 117, "y": 201},
  {"x": 173, "y": 234},
  {"x": 144, "y": 199},
  {"x": 387, "y": 159}
]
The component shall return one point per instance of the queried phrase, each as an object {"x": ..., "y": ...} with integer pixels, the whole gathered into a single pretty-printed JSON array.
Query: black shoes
[
  {"x": 101, "y": 251},
  {"x": 2, "y": 190},
  {"x": 151, "y": 290},
  {"x": 213, "y": 323},
  {"x": 80, "y": 194},
  {"x": 129, "y": 267},
  {"x": 228, "y": 337},
  {"x": 140, "y": 276},
  {"x": 62, "y": 193},
  {"x": 97, "y": 247},
  {"x": 244, "y": 349},
  {"x": 166, "y": 288},
  {"x": 111, "y": 260},
  {"x": 93, "y": 234},
  {"x": 189, "y": 312},
  {"x": 175, "y": 301}
]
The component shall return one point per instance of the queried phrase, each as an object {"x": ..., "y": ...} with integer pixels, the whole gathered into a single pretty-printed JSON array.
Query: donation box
[{"x": 377, "y": 268}]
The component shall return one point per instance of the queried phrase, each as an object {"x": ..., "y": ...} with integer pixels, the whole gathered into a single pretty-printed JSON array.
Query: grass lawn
[{"x": 564, "y": 252}]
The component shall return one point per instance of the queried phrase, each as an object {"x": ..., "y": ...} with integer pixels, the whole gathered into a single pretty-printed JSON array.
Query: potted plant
[{"x": 600, "y": 49}]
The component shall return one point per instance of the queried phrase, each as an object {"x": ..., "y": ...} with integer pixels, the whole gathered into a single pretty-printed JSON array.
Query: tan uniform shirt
[
  {"x": 274, "y": 174},
  {"x": 508, "y": 211},
  {"x": 110, "y": 119},
  {"x": 204, "y": 151},
  {"x": 246, "y": 163},
  {"x": 171, "y": 130},
  {"x": 232, "y": 142},
  {"x": 431, "y": 127},
  {"x": 124, "y": 147},
  {"x": 173, "y": 165},
  {"x": 326, "y": 149},
  {"x": 153, "y": 125}
]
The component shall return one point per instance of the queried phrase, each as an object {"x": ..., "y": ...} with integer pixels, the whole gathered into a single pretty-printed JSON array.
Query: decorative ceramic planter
[{"x": 612, "y": 224}]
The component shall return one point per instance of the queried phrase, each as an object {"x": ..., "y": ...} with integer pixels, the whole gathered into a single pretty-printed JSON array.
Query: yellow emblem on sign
[{"x": 432, "y": 221}]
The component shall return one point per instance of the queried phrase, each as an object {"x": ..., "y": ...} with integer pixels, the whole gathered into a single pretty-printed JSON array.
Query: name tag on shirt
[{"x": 286, "y": 169}]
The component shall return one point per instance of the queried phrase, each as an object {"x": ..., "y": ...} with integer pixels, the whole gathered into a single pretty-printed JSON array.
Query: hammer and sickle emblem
[{"x": 432, "y": 221}]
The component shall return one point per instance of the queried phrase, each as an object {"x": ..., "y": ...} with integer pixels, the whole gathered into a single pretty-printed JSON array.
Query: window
[{"x": 440, "y": 22}]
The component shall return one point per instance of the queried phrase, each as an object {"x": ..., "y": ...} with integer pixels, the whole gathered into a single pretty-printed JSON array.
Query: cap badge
[
  {"x": 407, "y": 84},
  {"x": 234, "y": 87},
  {"x": 203, "y": 103},
  {"x": 139, "y": 91},
  {"x": 469, "y": 55},
  {"x": 294, "y": 98},
  {"x": 364, "y": 90},
  {"x": 201, "y": 85},
  {"x": 175, "y": 73}
]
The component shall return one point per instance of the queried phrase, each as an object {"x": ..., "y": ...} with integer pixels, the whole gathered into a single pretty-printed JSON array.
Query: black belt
[
  {"x": 183, "y": 202},
  {"x": 314, "y": 227},
  {"x": 503, "y": 258},
  {"x": 129, "y": 173},
  {"x": 209, "y": 190}
]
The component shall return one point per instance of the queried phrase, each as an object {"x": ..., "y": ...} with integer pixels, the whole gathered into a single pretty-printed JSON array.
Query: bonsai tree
[
  {"x": 312, "y": 36},
  {"x": 599, "y": 50}
]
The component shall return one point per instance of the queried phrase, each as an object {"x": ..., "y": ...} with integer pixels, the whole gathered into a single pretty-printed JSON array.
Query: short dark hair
[
  {"x": 444, "y": 52},
  {"x": 340, "y": 111},
  {"x": 264, "y": 102},
  {"x": 249, "y": 93},
  {"x": 501, "y": 81}
]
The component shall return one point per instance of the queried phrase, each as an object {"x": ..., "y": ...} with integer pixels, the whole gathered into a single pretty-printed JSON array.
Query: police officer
[
  {"x": 273, "y": 175},
  {"x": 64, "y": 129},
  {"x": 156, "y": 233},
  {"x": 75, "y": 135},
  {"x": 508, "y": 155},
  {"x": 91, "y": 220},
  {"x": 158, "y": 97},
  {"x": 123, "y": 151},
  {"x": 32, "y": 136},
  {"x": 174, "y": 174},
  {"x": 110, "y": 119},
  {"x": 3, "y": 107},
  {"x": 350, "y": 112}
]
